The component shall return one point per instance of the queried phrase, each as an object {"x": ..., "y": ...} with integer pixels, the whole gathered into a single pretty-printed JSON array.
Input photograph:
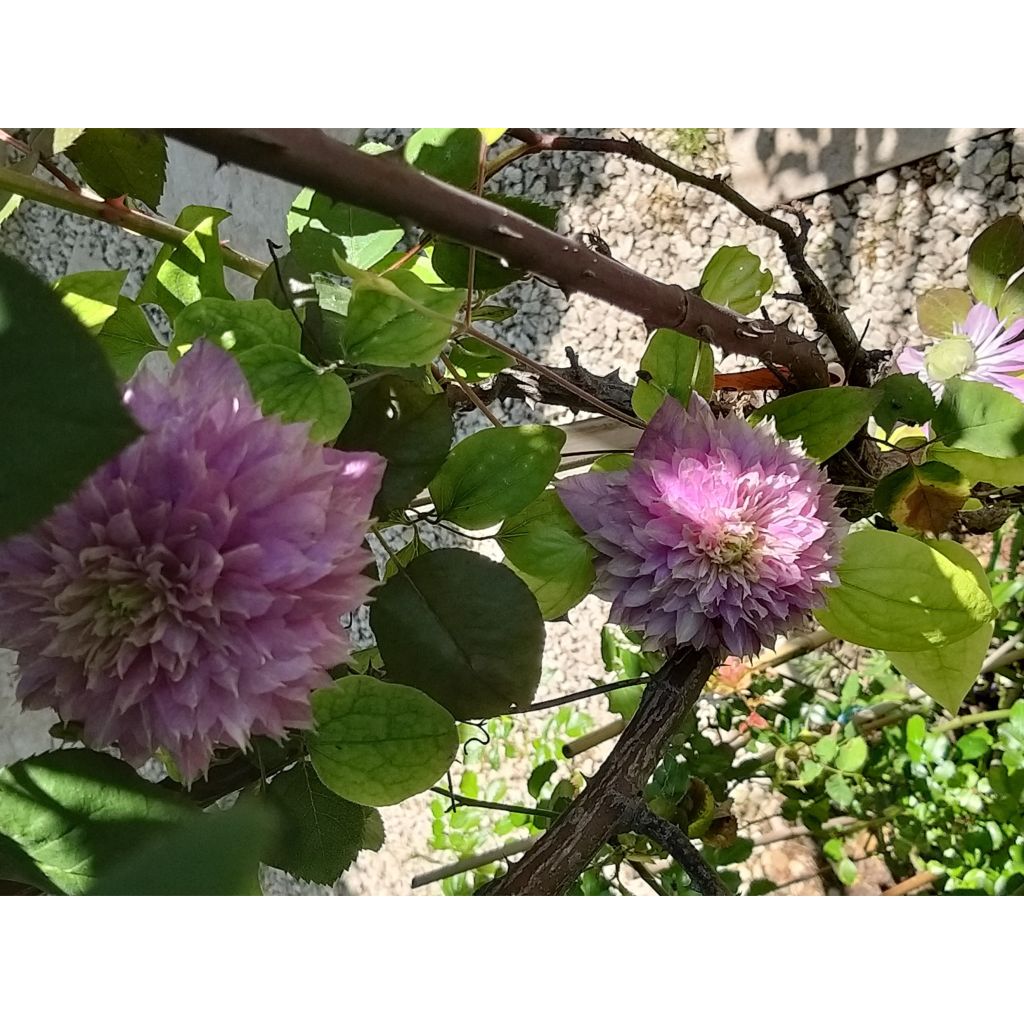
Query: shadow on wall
[{"x": 773, "y": 165}]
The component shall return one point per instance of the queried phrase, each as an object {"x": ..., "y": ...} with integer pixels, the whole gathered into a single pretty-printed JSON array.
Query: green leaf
[
  {"x": 494, "y": 314},
  {"x": 126, "y": 338},
  {"x": 898, "y": 593},
  {"x": 70, "y": 816},
  {"x": 942, "y": 310},
  {"x": 213, "y": 854},
  {"x": 546, "y": 549},
  {"x": 676, "y": 364},
  {"x": 923, "y": 498},
  {"x": 994, "y": 257},
  {"x": 947, "y": 673},
  {"x": 980, "y": 418},
  {"x": 904, "y": 398},
  {"x": 320, "y": 227},
  {"x": 463, "y": 629},
  {"x": 916, "y": 730},
  {"x": 846, "y": 872},
  {"x": 981, "y": 468},
  {"x": 409, "y": 427},
  {"x": 612, "y": 463},
  {"x": 235, "y": 326},
  {"x": 451, "y": 261},
  {"x": 383, "y": 330},
  {"x": 287, "y": 384},
  {"x": 825, "y": 419},
  {"x": 853, "y": 755},
  {"x": 61, "y": 138},
  {"x": 92, "y": 295},
  {"x": 9, "y": 200},
  {"x": 975, "y": 744},
  {"x": 321, "y": 834},
  {"x": 61, "y": 414},
  {"x": 826, "y": 749},
  {"x": 474, "y": 361},
  {"x": 191, "y": 270},
  {"x": 122, "y": 162},
  {"x": 403, "y": 556},
  {"x": 839, "y": 791},
  {"x": 451, "y": 154},
  {"x": 380, "y": 743},
  {"x": 495, "y": 473},
  {"x": 734, "y": 278},
  {"x": 539, "y": 778}
]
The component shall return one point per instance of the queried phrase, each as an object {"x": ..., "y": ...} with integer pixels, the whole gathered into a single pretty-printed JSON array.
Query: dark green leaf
[
  {"x": 896, "y": 592},
  {"x": 451, "y": 261},
  {"x": 380, "y": 743},
  {"x": 409, "y": 427},
  {"x": 474, "y": 361},
  {"x": 734, "y": 278},
  {"x": 191, "y": 270},
  {"x": 321, "y": 834},
  {"x": 92, "y": 295},
  {"x": 384, "y": 330},
  {"x": 60, "y": 409},
  {"x": 546, "y": 548},
  {"x": 70, "y": 816},
  {"x": 299, "y": 288},
  {"x": 495, "y": 473},
  {"x": 122, "y": 162},
  {"x": 539, "y": 778},
  {"x": 495, "y": 314},
  {"x": 825, "y": 419},
  {"x": 404, "y": 555},
  {"x": 980, "y": 418},
  {"x": 287, "y": 384},
  {"x": 213, "y": 854},
  {"x": 676, "y": 365},
  {"x": 235, "y": 326},
  {"x": 905, "y": 399},
  {"x": 463, "y": 629},
  {"x": 127, "y": 337},
  {"x": 320, "y": 228},
  {"x": 451, "y": 154},
  {"x": 994, "y": 257}
]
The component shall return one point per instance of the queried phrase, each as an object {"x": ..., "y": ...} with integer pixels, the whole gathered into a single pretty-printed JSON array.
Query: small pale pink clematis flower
[
  {"x": 190, "y": 594},
  {"x": 982, "y": 348},
  {"x": 719, "y": 535}
]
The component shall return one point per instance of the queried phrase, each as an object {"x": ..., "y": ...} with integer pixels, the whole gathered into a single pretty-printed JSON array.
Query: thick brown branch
[
  {"x": 389, "y": 186},
  {"x": 827, "y": 312},
  {"x": 609, "y": 803}
]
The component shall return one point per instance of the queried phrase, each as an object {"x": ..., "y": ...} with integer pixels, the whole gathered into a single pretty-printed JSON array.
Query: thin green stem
[
  {"x": 130, "y": 220},
  {"x": 489, "y": 805},
  {"x": 976, "y": 719}
]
